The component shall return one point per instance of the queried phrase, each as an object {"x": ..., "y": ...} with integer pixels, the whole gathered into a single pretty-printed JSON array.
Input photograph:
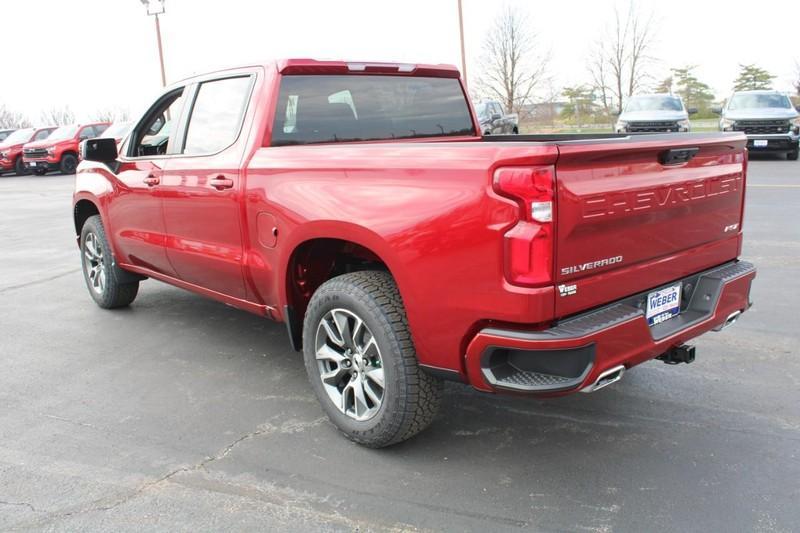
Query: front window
[
  {"x": 335, "y": 108},
  {"x": 654, "y": 103},
  {"x": 19, "y": 136},
  {"x": 63, "y": 132},
  {"x": 759, "y": 101}
]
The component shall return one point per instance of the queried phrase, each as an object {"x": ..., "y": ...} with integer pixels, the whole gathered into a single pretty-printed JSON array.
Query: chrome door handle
[
  {"x": 151, "y": 180},
  {"x": 221, "y": 182}
]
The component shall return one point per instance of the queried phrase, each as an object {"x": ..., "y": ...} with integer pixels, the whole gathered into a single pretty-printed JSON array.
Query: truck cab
[{"x": 768, "y": 118}]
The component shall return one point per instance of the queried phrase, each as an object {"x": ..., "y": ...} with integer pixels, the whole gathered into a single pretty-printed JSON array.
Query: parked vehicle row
[
  {"x": 40, "y": 150},
  {"x": 361, "y": 205},
  {"x": 768, "y": 118}
]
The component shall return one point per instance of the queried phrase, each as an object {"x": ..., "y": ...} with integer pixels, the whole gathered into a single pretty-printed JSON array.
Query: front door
[{"x": 136, "y": 213}]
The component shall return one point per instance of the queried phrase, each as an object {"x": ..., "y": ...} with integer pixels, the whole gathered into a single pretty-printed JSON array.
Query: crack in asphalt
[
  {"x": 267, "y": 428},
  {"x": 38, "y": 281},
  {"x": 21, "y": 504}
]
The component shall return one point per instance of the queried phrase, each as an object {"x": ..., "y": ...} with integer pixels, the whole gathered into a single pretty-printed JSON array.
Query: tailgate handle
[{"x": 676, "y": 156}]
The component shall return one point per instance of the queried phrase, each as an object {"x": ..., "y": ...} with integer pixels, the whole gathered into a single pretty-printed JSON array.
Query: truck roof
[{"x": 316, "y": 66}]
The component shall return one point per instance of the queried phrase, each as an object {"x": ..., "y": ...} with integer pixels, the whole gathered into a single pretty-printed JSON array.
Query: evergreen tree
[
  {"x": 694, "y": 92},
  {"x": 752, "y": 78}
]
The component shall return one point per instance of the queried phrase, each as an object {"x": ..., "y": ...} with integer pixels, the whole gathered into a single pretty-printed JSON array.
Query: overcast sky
[{"x": 93, "y": 54}]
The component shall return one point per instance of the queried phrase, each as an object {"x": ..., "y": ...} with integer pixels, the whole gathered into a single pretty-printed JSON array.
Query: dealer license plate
[
  {"x": 32, "y": 163},
  {"x": 760, "y": 143},
  {"x": 663, "y": 304}
]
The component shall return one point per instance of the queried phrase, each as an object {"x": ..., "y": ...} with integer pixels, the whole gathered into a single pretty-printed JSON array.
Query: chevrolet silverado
[{"x": 359, "y": 204}]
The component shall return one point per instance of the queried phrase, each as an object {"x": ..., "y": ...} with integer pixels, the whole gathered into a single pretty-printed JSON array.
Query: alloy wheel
[{"x": 350, "y": 364}]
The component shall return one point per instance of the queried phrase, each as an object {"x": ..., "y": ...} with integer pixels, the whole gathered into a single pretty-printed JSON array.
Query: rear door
[
  {"x": 202, "y": 187},
  {"x": 631, "y": 215}
]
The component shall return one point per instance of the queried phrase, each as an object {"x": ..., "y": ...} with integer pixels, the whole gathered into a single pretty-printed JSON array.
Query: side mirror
[
  {"x": 716, "y": 110},
  {"x": 156, "y": 126},
  {"x": 692, "y": 110},
  {"x": 100, "y": 150},
  {"x": 496, "y": 116}
]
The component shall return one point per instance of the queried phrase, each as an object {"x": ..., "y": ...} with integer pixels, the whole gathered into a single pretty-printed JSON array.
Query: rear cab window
[{"x": 334, "y": 108}]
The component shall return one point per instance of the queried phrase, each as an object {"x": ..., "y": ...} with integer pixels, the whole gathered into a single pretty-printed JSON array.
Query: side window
[
  {"x": 41, "y": 135},
  {"x": 217, "y": 115},
  {"x": 87, "y": 133},
  {"x": 152, "y": 134},
  {"x": 99, "y": 129}
]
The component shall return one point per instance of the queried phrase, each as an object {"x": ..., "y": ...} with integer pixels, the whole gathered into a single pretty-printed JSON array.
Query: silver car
[
  {"x": 768, "y": 118},
  {"x": 662, "y": 113}
]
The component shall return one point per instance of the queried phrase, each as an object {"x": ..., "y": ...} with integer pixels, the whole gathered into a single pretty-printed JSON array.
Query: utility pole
[
  {"x": 461, "y": 35},
  {"x": 156, "y": 8}
]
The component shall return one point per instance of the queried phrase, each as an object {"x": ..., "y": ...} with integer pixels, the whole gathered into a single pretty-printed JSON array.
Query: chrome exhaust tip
[
  {"x": 732, "y": 318},
  {"x": 605, "y": 379}
]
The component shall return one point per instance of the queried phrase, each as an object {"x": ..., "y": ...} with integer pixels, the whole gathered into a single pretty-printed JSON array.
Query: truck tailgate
[{"x": 635, "y": 214}]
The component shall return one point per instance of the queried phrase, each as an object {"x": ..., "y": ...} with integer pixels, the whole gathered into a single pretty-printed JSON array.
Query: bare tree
[
  {"x": 598, "y": 68},
  {"x": 512, "y": 66},
  {"x": 57, "y": 116},
  {"x": 110, "y": 115},
  {"x": 641, "y": 41},
  {"x": 621, "y": 57},
  {"x": 796, "y": 82},
  {"x": 13, "y": 119}
]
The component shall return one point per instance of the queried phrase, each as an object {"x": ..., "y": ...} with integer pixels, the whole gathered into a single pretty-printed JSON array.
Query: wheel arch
[
  {"x": 315, "y": 258},
  {"x": 81, "y": 211}
]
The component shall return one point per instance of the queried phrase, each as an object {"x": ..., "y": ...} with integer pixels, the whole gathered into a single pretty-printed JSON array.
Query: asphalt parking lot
[{"x": 181, "y": 414}]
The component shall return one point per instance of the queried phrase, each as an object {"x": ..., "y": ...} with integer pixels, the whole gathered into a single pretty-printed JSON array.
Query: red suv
[
  {"x": 11, "y": 148},
  {"x": 60, "y": 150}
]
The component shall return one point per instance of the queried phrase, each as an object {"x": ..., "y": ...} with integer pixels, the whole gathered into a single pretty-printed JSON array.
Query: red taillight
[{"x": 529, "y": 244}]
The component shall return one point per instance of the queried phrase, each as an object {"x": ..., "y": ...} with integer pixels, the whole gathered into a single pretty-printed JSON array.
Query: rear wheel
[
  {"x": 19, "y": 167},
  {"x": 361, "y": 361},
  {"x": 99, "y": 270},
  {"x": 68, "y": 164},
  {"x": 792, "y": 156}
]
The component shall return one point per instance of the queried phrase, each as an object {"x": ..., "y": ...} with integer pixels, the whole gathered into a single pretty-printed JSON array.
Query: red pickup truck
[
  {"x": 11, "y": 148},
  {"x": 359, "y": 204},
  {"x": 59, "y": 151}
]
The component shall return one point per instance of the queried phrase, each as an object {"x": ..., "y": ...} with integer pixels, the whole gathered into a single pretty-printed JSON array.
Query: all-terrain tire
[
  {"x": 792, "y": 156},
  {"x": 109, "y": 293},
  {"x": 411, "y": 397}
]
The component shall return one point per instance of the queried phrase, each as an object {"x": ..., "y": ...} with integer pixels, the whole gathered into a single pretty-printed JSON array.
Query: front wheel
[
  {"x": 792, "y": 156},
  {"x": 99, "y": 270},
  {"x": 19, "y": 167},
  {"x": 68, "y": 164},
  {"x": 361, "y": 361}
]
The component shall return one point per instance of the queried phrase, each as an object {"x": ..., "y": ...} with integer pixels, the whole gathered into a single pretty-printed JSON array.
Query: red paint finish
[
  {"x": 432, "y": 210},
  {"x": 10, "y": 152},
  {"x": 57, "y": 148}
]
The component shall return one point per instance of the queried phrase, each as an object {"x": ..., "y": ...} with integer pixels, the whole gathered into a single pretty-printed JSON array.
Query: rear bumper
[{"x": 573, "y": 354}]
